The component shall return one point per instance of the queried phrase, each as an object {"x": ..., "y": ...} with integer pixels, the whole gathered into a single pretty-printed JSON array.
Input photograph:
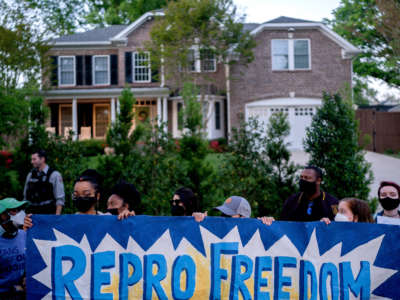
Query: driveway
[{"x": 384, "y": 167}]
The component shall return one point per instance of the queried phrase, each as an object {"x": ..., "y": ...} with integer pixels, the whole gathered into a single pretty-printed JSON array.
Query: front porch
[{"x": 87, "y": 114}]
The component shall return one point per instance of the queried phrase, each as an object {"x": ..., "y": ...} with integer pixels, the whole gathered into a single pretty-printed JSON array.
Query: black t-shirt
[{"x": 298, "y": 208}]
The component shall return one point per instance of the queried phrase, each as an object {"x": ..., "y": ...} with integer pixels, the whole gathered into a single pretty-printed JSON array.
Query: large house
[{"x": 295, "y": 61}]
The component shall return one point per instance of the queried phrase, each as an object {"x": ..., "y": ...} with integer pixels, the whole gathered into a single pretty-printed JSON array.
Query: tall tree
[
  {"x": 332, "y": 142},
  {"x": 110, "y": 12},
  {"x": 374, "y": 26},
  {"x": 192, "y": 30}
]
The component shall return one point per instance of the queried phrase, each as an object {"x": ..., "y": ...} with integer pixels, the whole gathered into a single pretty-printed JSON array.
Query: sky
[{"x": 260, "y": 11}]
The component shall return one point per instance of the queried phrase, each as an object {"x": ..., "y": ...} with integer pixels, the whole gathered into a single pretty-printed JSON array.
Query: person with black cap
[
  {"x": 124, "y": 197},
  {"x": 12, "y": 249},
  {"x": 184, "y": 202},
  {"x": 389, "y": 198},
  {"x": 233, "y": 207}
]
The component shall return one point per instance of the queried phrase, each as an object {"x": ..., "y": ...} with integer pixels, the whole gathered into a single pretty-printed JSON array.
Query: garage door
[{"x": 299, "y": 117}]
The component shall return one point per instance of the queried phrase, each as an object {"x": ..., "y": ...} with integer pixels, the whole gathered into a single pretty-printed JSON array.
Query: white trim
[
  {"x": 105, "y": 93},
  {"x": 59, "y": 70},
  {"x": 122, "y": 36},
  {"x": 94, "y": 70},
  {"x": 75, "y": 118},
  {"x": 349, "y": 48},
  {"x": 291, "y": 55},
  {"x": 80, "y": 43},
  {"x": 134, "y": 66},
  {"x": 285, "y": 102}
]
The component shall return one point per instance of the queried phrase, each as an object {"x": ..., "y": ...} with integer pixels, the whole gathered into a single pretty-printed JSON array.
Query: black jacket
[{"x": 298, "y": 208}]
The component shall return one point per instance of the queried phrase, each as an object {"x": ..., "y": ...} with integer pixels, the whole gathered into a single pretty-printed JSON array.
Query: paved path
[{"x": 384, "y": 167}]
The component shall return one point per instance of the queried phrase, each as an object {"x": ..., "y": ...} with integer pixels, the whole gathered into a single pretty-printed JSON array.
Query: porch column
[
  {"x": 112, "y": 110},
  {"x": 75, "y": 118},
  {"x": 118, "y": 107},
  {"x": 159, "y": 111},
  {"x": 165, "y": 113}
]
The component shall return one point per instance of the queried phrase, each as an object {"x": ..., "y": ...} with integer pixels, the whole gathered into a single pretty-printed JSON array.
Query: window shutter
[
  {"x": 114, "y": 69},
  {"x": 128, "y": 67},
  {"x": 54, "y": 71},
  {"x": 155, "y": 75},
  {"x": 79, "y": 69},
  {"x": 88, "y": 70}
]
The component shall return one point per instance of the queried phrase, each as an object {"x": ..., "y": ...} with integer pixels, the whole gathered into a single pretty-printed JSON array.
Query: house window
[
  {"x": 65, "y": 119},
  {"x": 67, "y": 70},
  {"x": 101, "y": 119},
  {"x": 290, "y": 54},
  {"x": 141, "y": 67},
  {"x": 202, "y": 60},
  {"x": 217, "y": 115},
  {"x": 101, "y": 70},
  {"x": 179, "y": 118},
  {"x": 208, "y": 61}
]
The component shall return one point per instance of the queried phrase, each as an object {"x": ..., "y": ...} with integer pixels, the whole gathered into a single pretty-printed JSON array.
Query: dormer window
[
  {"x": 292, "y": 54},
  {"x": 101, "y": 70},
  {"x": 66, "y": 70},
  {"x": 141, "y": 67}
]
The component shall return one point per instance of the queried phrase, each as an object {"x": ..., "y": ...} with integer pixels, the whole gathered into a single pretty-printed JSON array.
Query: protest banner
[{"x": 143, "y": 257}]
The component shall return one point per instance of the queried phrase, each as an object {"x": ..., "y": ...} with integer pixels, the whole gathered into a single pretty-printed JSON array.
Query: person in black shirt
[{"x": 311, "y": 203}]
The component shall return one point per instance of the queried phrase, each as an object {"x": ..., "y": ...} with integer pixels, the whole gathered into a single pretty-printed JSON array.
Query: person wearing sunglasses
[{"x": 183, "y": 203}]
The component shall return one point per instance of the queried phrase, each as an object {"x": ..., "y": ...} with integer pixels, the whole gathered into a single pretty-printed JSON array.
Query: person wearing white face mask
[
  {"x": 12, "y": 258},
  {"x": 17, "y": 213},
  {"x": 352, "y": 210}
]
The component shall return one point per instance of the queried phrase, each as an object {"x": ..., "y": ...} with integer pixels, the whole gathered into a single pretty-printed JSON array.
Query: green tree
[
  {"x": 119, "y": 135},
  {"x": 21, "y": 49},
  {"x": 283, "y": 173},
  {"x": 332, "y": 142},
  {"x": 372, "y": 25},
  {"x": 110, "y": 12},
  {"x": 213, "y": 27},
  {"x": 246, "y": 170}
]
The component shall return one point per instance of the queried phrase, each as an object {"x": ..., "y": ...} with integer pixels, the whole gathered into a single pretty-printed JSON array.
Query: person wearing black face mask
[
  {"x": 124, "y": 198},
  {"x": 388, "y": 194},
  {"x": 183, "y": 202},
  {"x": 311, "y": 203},
  {"x": 12, "y": 258}
]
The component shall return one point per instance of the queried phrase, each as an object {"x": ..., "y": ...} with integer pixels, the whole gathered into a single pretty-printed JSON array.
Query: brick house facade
[{"x": 295, "y": 61}]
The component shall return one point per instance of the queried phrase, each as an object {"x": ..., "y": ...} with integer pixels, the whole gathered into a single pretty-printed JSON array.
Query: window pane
[
  {"x": 67, "y": 70},
  {"x": 208, "y": 61},
  {"x": 280, "y": 54},
  {"x": 66, "y": 119},
  {"x": 217, "y": 115},
  {"x": 301, "y": 54},
  {"x": 101, "y": 72},
  {"x": 180, "y": 121},
  {"x": 101, "y": 119},
  {"x": 141, "y": 67}
]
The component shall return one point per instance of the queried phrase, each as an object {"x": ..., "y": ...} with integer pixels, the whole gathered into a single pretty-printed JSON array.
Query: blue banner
[{"x": 143, "y": 257}]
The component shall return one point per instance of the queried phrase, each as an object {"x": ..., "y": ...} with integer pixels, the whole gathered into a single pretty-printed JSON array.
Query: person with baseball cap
[
  {"x": 16, "y": 210},
  {"x": 233, "y": 207},
  {"x": 12, "y": 249}
]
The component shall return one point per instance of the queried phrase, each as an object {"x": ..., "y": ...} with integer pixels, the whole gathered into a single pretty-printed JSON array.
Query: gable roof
[
  {"x": 286, "y": 23},
  {"x": 283, "y": 19}
]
